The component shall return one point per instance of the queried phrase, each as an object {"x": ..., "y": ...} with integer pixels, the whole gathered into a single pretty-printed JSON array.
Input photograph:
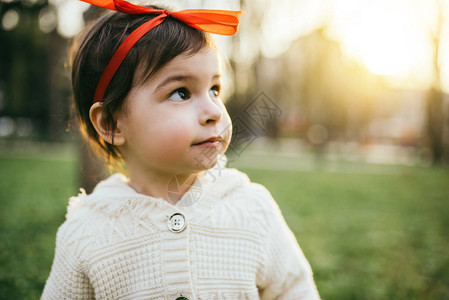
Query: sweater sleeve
[
  {"x": 286, "y": 273},
  {"x": 67, "y": 278}
]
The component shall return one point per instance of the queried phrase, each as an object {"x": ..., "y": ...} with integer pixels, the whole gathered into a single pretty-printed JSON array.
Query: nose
[{"x": 211, "y": 111}]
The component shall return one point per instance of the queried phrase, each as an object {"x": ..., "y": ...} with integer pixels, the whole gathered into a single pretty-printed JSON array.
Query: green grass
[
  {"x": 367, "y": 236},
  {"x": 33, "y": 197}
]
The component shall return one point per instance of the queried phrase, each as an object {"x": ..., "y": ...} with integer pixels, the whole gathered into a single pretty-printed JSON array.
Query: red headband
[{"x": 214, "y": 21}]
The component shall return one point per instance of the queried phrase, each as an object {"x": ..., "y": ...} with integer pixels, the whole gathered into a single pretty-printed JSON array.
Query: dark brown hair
[{"x": 92, "y": 50}]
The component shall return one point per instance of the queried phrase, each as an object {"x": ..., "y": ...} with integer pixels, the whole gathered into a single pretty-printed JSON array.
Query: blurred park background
[{"x": 340, "y": 108}]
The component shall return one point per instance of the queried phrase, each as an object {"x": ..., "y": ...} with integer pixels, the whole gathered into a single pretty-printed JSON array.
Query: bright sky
[{"x": 390, "y": 37}]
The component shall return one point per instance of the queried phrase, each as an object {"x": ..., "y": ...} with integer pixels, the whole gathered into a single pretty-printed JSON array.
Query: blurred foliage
[
  {"x": 330, "y": 90},
  {"x": 33, "y": 80},
  {"x": 326, "y": 96},
  {"x": 367, "y": 236}
]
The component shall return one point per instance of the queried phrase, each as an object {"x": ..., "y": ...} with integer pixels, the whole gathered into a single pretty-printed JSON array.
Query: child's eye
[
  {"x": 214, "y": 92},
  {"x": 180, "y": 95}
]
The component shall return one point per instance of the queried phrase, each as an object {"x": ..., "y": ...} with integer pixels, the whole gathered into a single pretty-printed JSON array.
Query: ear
[{"x": 96, "y": 117}]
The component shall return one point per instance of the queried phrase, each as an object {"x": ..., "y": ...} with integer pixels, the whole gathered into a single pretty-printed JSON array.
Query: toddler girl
[{"x": 147, "y": 86}]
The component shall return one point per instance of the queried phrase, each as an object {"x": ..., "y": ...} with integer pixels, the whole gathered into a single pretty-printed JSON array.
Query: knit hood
[{"x": 113, "y": 195}]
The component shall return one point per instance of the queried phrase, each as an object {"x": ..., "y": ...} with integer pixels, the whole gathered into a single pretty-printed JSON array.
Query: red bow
[{"x": 222, "y": 22}]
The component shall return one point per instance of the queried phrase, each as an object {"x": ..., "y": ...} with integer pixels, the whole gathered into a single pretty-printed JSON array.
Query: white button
[{"x": 176, "y": 222}]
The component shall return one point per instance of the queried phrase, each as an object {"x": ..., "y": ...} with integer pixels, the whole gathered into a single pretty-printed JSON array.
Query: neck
[{"x": 168, "y": 186}]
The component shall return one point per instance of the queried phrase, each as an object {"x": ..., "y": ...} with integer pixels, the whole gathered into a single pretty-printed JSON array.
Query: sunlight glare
[
  {"x": 388, "y": 37},
  {"x": 70, "y": 17}
]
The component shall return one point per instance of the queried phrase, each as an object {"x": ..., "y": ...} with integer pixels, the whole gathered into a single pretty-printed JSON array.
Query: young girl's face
[{"x": 176, "y": 122}]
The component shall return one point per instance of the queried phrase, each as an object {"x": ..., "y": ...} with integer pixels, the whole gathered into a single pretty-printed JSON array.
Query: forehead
[{"x": 204, "y": 62}]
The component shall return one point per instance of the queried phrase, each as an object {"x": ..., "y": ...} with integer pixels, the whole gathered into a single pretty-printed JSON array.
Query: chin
[{"x": 206, "y": 163}]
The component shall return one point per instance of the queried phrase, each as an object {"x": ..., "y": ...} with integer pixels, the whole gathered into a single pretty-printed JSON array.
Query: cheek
[
  {"x": 172, "y": 135},
  {"x": 159, "y": 135},
  {"x": 226, "y": 129}
]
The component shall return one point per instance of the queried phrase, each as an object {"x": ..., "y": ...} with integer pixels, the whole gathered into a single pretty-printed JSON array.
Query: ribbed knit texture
[{"x": 115, "y": 244}]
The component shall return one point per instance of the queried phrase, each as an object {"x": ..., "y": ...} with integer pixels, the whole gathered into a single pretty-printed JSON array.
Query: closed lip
[{"x": 209, "y": 141}]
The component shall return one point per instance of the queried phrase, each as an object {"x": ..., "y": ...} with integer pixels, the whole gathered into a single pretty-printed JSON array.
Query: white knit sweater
[{"x": 116, "y": 244}]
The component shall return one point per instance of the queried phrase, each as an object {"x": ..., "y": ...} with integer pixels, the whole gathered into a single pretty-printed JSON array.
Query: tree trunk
[{"x": 435, "y": 124}]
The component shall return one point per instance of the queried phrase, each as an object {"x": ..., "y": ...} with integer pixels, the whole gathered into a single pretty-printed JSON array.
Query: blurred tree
[
  {"x": 435, "y": 112},
  {"x": 244, "y": 59},
  {"x": 29, "y": 58},
  {"x": 435, "y": 115},
  {"x": 35, "y": 73},
  {"x": 335, "y": 96}
]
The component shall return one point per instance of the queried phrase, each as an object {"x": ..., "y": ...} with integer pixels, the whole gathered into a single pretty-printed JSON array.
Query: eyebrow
[{"x": 180, "y": 78}]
